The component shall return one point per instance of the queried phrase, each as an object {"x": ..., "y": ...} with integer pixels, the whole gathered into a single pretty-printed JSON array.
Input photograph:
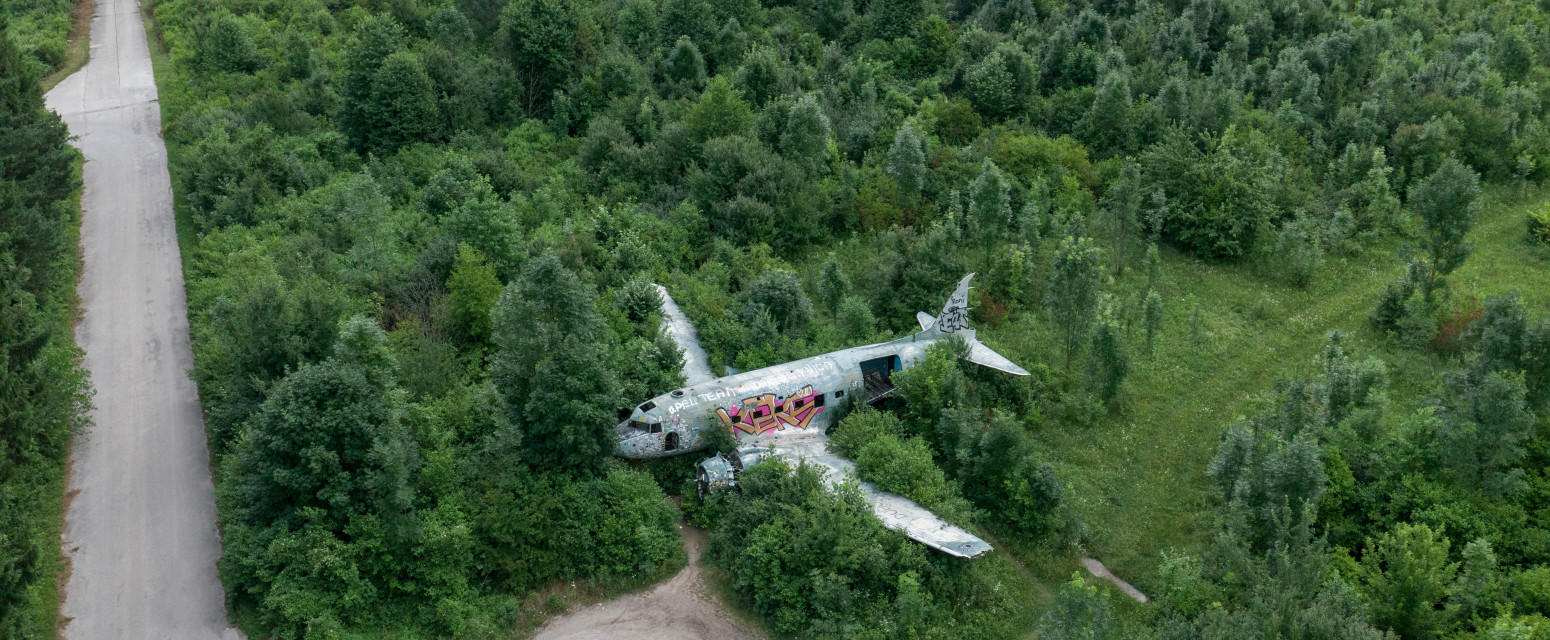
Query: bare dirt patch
[{"x": 678, "y": 609}]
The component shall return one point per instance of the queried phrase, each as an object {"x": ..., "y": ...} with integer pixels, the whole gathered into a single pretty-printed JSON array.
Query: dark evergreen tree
[{"x": 1073, "y": 291}]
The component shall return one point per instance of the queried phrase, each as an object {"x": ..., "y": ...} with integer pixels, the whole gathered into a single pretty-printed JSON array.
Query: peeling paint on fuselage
[{"x": 791, "y": 398}]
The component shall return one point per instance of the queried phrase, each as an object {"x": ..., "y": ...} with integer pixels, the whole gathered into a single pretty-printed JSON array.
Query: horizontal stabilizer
[
  {"x": 982, "y": 355},
  {"x": 925, "y": 320},
  {"x": 676, "y": 325}
]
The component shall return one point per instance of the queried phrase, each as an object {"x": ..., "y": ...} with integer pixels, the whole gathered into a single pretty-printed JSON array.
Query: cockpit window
[
  {"x": 649, "y": 405},
  {"x": 656, "y": 428}
]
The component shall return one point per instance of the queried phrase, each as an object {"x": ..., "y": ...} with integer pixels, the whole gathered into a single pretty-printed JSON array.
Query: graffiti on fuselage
[
  {"x": 767, "y": 412},
  {"x": 773, "y": 382}
]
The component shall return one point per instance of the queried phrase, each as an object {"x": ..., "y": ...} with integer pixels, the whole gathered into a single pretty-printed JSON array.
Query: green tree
[
  {"x": 719, "y": 112},
  {"x": 1485, "y": 424},
  {"x": 1473, "y": 596},
  {"x": 327, "y": 445},
  {"x": 855, "y": 320},
  {"x": 779, "y": 293},
  {"x": 833, "y": 285},
  {"x": 1074, "y": 279},
  {"x": 472, "y": 291},
  {"x": 228, "y": 47},
  {"x": 1407, "y": 576},
  {"x": 1152, "y": 318},
  {"x": 535, "y": 313},
  {"x": 1110, "y": 362},
  {"x": 990, "y": 205},
  {"x": 568, "y": 418},
  {"x": 1081, "y": 612},
  {"x": 685, "y": 68},
  {"x": 1448, "y": 202},
  {"x": 1106, "y": 125},
  {"x": 403, "y": 105},
  {"x": 1121, "y": 212},
  {"x": 375, "y": 38},
  {"x": 896, "y": 18},
  {"x": 907, "y": 165},
  {"x": 540, "y": 38},
  {"x": 805, "y": 140}
]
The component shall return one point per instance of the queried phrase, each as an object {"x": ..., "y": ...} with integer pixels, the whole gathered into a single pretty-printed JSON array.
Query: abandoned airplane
[{"x": 780, "y": 411}]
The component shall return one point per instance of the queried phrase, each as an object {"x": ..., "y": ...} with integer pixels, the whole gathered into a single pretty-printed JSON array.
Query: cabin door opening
[
  {"x": 671, "y": 442},
  {"x": 877, "y": 376}
]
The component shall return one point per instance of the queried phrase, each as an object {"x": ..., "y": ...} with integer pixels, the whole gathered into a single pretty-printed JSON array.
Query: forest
[
  {"x": 43, "y": 392},
  {"x": 1280, "y": 271}
]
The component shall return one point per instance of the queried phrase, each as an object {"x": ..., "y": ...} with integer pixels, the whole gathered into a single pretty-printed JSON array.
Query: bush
[{"x": 1539, "y": 224}]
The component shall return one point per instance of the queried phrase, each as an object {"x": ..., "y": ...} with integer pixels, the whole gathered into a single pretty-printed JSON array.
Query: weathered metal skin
[
  {"x": 755, "y": 403},
  {"x": 785, "y": 411}
]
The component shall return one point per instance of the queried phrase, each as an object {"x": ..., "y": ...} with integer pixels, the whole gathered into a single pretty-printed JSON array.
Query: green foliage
[
  {"x": 1539, "y": 224},
  {"x": 1081, "y": 612},
  {"x": 472, "y": 291},
  {"x": 1074, "y": 280},
  {"x": 855, "y": 321},
  {"x": 719, "y": 112},
  {"x": 907, "y": 164},
  {"x": 1448, "y": 202},
  {"x": 544, "y": 40},
  {"x": 704, "y": 144},
  {"x": 228, "y": 47},
  {"x": 779, "y": 294},
  {"x": 1109, "y": 364},
  {"x": 44, "y": 394},
  {"x": 402, "y": 107},
  {"x": 1408, "y": 574},
  {"x": 1220, "y": 191}
]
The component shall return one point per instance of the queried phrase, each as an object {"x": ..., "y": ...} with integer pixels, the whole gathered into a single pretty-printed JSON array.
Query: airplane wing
[
  {"x": 676, "y": 325},
  {"x": 982, "y": 355},
  {"x": 895, "y": 511}
]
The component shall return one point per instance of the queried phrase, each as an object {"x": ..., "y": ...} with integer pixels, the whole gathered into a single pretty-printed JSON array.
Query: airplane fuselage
[{"x": 786, "y": 399}]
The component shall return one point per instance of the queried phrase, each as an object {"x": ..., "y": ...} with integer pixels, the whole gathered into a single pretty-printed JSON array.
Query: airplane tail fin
[{"x": 954, "y": 318}]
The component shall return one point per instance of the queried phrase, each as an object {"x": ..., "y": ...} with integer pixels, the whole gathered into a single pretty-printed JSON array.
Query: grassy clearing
[
  {"x": 1138, "y": 477},
  {"x": 77, "y": 44}
]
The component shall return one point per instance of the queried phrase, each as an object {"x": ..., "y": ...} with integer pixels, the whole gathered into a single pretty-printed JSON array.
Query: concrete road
[{"x": 141, "y": 531}]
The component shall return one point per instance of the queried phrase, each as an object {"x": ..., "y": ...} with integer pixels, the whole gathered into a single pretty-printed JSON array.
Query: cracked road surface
[{"x": 140, "y": 531}]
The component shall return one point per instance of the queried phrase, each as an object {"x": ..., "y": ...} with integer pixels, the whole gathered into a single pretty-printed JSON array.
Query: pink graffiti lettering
[{"x": 764, "y": 413}]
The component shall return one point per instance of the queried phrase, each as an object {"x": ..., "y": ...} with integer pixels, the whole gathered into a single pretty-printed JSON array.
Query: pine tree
[
  {"x": 1448, "y": 202},
  {"x": 1121, "y": 208},
  {"x": 375, "y": 39},
  {"x": 833, "y": 285},
  {"x": 719, "y": 112},
  {"x": 1408, "y": 573},
  {"x": 472, "y": 291},
  {"x": 990, "y": 206},
  {"x": 1106, "y": 125},
  {"x": 1109, "y": 364},
  {"x": 403, "y": 105},
  {"x": 1152, "y": 318},
  {"x": 896, "y": 18},
  {"x": 907, "y": 165},
  {"x": 805, "y": 140},
  {"x": 685, "y": 67},
  {"x": 1074, "y": 291}
]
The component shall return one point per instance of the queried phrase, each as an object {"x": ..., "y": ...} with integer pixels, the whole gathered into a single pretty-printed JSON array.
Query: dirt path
[
  {"x": 679, "y": 609},
  {"x": 140, "y": 531},
  {"x": 1097, "y": 569}
]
